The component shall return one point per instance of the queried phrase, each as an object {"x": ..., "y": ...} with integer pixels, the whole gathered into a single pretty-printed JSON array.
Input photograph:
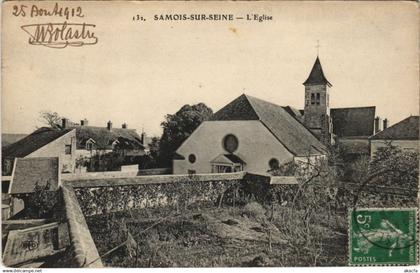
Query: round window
[
  {"x": 192, "y": 158},
  {"x": 230, "y": 143},
  {"x": 274, "y": 164}
]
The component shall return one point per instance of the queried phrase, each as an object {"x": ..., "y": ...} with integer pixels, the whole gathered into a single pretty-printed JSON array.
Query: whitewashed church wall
[{"x": 256, "y": 146}]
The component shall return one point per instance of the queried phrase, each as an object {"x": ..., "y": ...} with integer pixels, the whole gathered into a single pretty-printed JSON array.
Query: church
[{"x": 253, "y": 135}]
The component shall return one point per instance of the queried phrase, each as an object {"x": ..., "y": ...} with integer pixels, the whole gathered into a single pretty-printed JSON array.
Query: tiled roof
[
  {"x": 234, "y": 158},
  {"x": 352, "y": 122},
  {"x": 104, "y": 138},
  {"x": 287, "y": 129},
  {"x": 228, "y": 159},
  {"x": 239, "y": 109},
  {"x": 407, "y": 129},
  {"x": 33, "y": 142},
  {"x": 317, "y": 75},
  {"x": 32, "y": 170},
  {"x": 298, "y": 114}
]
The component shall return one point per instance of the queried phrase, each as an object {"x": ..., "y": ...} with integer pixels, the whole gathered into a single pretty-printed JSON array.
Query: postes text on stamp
[{"x": 382, "y": 236}]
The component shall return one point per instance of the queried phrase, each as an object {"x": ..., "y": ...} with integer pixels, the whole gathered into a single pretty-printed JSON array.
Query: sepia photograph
[{"x": 210, "y": 134}]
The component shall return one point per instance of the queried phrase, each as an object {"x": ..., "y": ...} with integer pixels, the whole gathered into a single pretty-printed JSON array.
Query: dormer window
[
  {"x": 90, "y": 144},
  {"x": 114, "y": 144}
]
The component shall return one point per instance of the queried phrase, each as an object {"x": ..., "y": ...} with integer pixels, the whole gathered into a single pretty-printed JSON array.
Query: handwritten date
[{"x": 58, "y": 11}]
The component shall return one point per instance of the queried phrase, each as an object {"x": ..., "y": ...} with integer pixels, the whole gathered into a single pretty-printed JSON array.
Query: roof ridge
[
  {"x": 391, "y": 127},
  {"x": 280, "y": 108},
  {"x": 252, "y": 105},
  {"x": 358, "y": 107}
]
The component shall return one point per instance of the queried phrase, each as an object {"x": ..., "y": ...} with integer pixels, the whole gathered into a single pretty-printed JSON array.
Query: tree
[
  {"x": 393, "y": 167},
  {"x": 154, "y": 151},
  {"x": 42, "y": 201},
  {"x": 51, "y": 119},
  {"x": 178, "y": 127}
]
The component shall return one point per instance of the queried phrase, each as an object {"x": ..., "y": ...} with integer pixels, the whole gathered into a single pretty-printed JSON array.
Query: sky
[{"x": 140, "y": 71}]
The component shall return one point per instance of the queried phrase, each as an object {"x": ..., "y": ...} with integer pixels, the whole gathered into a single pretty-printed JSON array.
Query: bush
[{"x": 254, "y": 210}]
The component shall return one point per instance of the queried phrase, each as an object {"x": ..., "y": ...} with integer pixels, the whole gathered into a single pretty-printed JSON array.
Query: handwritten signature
[{"x": 61, "y": 35}]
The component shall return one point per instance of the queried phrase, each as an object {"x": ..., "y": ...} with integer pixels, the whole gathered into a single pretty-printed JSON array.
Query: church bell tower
[{"x": 317, "y": 108}]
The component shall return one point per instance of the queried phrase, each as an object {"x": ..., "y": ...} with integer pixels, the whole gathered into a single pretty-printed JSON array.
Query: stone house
[
  {"x": 44, "y": 142},
  {"x": 29, "y": 172},
  {"x": 404, "y": 134},
  {"x": 94, "y": 140}
]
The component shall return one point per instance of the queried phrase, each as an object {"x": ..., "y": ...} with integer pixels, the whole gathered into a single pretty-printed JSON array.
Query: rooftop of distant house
[
  {"x": 105, "y": 137},
  {"x": 407, "y": 129},
  {"x": 33, "y": 142}
]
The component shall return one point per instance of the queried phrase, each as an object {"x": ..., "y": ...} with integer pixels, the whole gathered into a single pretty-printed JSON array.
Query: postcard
[{"x": 172, "y": 134}]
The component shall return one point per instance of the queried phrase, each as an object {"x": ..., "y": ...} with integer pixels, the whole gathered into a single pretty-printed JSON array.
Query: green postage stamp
[{"x": 383, "y": 236}]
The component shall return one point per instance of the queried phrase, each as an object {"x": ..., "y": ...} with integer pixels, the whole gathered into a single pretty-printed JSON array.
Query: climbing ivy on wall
[{"x": 180, "y": 195}]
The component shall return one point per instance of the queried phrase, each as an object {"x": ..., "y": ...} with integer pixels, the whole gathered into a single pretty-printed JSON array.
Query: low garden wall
[
  {"x": 157, "y": 171},
  {"x": 107, "y": 195},
  {"x": 101, "y": 194},
  {"x": 83, "y": 250}
]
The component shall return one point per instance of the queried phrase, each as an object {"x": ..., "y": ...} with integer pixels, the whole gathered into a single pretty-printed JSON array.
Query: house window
[
  {"x": 192, "y": 158},
  {"x": 318, "y": 99},
  {"x": 89, "y": 146},
  {"x": 115, "y": 144},
  {"x": 67, "y": 149},
  {"x": 230, "y": 143}
]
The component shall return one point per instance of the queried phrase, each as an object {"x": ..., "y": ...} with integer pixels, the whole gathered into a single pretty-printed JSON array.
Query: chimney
[
  {"x": 84, "y": 122},
  {"x": 385, "y": 123},
  {"x": 109, "y": 125},
  {"x": 143, "y": 138},
  {"x": 64, "y": 123},
  {"x": 124, "y": 125},
  {"x": 377, "y": 125}
]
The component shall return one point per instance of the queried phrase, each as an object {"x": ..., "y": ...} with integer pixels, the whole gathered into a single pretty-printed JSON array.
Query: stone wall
[
  {"x": 103, "y": 194},
  {"x": 56, "y": 148},
  {"x": 106, "y": 195},
  {"x": 157, "y": 171},
  {"x": 83, "y": 251},
  {"x": 83, "y": 176}
]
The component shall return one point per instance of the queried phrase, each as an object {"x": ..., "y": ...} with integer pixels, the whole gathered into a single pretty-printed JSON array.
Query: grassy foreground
[{"x": 225, "y": 237}]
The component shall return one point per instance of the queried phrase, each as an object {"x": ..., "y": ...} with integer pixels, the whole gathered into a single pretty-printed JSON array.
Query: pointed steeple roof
[{"x": 317, "y": 75}]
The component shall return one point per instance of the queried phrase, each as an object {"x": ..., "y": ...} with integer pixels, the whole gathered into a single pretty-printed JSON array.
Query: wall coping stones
[
  {"x": 85, "y": 251},
  {"x": 155, "y": 179},
  {"x": 96, "y": 175}
]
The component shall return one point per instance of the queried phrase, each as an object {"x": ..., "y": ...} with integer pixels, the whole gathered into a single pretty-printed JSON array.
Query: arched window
[
  {"x": 274, "y": 164},
  {"x": 192, "y": 158},
  {"x": 230, "y": 143}
]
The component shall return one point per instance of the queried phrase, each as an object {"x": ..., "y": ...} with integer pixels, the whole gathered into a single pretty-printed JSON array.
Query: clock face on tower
[{"x": 230, "y": 143}]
